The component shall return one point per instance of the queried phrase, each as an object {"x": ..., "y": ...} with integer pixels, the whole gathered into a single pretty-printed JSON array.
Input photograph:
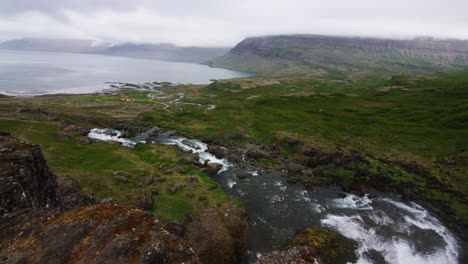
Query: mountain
[
  {"x": 304, "y": 52},
  {"x": 147, "y": 51},
  {"x": 166, "y": 52},
  {"x": 54, "y": 45}
]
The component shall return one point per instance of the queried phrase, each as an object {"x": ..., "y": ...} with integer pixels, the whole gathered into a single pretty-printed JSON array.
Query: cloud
[{"x": 224, "y": 23}]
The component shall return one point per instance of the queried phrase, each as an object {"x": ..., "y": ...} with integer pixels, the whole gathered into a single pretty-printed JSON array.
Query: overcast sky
[{"x": 226, "y": 22}]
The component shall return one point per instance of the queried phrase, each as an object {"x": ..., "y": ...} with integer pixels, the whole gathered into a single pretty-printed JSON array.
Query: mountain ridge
[
  {"x": 305, "y": 52},
  {"x": 162, "y": 51}
]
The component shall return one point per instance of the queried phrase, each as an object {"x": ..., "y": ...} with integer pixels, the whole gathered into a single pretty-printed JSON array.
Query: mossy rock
[{"x": 330, "y": 246}]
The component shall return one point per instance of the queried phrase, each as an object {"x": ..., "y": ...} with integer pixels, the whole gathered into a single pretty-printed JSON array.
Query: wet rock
[
  {"x": 174, "y": 187},
  {"x": 294, "y": 168},
  {"x": 217, "y": 237},
  {"x": 25, "y": 178},
  {"x": 213, "y": 168},
  {"x": 294, "y": 255},
  {"x": 146, "y": 202},
  {"x": 219, "y": 152},
  {"x": 191, "y": 159},
  {"x": 235, "y": 157},
  {"x": 243, "y": 175}
]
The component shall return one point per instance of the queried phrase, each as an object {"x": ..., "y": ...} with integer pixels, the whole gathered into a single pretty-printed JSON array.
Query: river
[{"x": 386, "y": 228}]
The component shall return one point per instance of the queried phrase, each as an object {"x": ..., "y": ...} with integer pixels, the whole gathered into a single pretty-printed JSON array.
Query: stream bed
[{"x": 386, "y": 228}]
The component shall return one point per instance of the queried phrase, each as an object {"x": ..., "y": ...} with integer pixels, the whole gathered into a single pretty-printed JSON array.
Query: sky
[{"x": 227, "y": 22}]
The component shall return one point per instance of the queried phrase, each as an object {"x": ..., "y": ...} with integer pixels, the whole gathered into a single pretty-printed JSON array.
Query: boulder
[
  {"x": 121, "y": 178},
  {"x": 258, "y": 154},
  {"x": 146, "y": 202},
  {"x": 191, "y": 159},
  {"x": 243, "y": 175},
  {"x": 294, "y": 168},
  {"x": 150, "y": 180},
  {"x": 219, "y": 152},
  {"x": 175, "y": 186},
  {"x": 213, "y": 168},
  {"x": 292, "y": 140}
]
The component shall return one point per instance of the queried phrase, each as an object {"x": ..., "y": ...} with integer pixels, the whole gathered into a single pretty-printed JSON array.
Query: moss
[{"x": 331, "y": 247}]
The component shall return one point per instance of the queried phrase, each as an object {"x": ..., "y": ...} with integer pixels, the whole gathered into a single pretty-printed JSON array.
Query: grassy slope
[{"x": 93, "y": 165}]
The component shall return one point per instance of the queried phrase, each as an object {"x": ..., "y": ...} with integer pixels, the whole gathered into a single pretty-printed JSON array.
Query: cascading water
[{"x": 385, "y": 228}]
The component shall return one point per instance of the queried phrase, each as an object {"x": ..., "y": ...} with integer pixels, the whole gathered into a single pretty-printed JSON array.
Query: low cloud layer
[{"x": 224, "y": 23}]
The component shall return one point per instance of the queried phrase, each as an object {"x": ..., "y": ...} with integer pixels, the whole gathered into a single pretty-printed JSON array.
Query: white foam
[
  {"x": 231, "y": 183},
  {"x": 353, "y": 202},
  {"x": 395, "y": 249},
  {"x": 196, "y": 146},
  {"x": 105, "y": 135}
]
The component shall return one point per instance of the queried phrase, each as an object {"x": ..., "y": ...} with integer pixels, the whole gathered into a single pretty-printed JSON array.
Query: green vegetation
[
  {"x": 330, "y": 247},
  {"x": 392, "y": 121}
]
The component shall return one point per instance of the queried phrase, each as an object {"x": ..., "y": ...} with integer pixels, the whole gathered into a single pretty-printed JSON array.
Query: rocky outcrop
[
  {"x": 294, "y": 255},
  {"x": 25, "y": 179},
  {"x": 33, "y": 229},
  {"x": 219, "y": 238},
  {"x": 314, "y": 246},
  {"x": 106, "y": 233}
]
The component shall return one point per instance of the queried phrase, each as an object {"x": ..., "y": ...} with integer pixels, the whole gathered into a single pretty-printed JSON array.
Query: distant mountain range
[
  {"x": 148, "y": 51},
  {"x": 293, "y": 53}
]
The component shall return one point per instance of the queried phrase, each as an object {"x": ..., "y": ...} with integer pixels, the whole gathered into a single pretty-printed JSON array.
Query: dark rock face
[
  {"x": 294, "y": 255},
  {"x": 25, "y": 179},
  {"x": 72, "y": 197},
  {"x": 105, "y": 233},
  {"x": 219, "y": 238},
  {"x": 32, "y": 230}
]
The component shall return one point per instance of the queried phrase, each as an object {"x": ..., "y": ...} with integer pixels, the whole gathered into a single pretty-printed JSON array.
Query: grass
[{"x": 403, "y": 118}]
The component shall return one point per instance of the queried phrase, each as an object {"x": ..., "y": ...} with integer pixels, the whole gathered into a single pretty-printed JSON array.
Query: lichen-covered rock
[
  {"x": 294, "y": 255},
  {"x": 219, "y": 237},
  {"x": 25, "y": 179},
  {"x": 331, "y": 247},
  {"x": 106, "y": 233}
]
